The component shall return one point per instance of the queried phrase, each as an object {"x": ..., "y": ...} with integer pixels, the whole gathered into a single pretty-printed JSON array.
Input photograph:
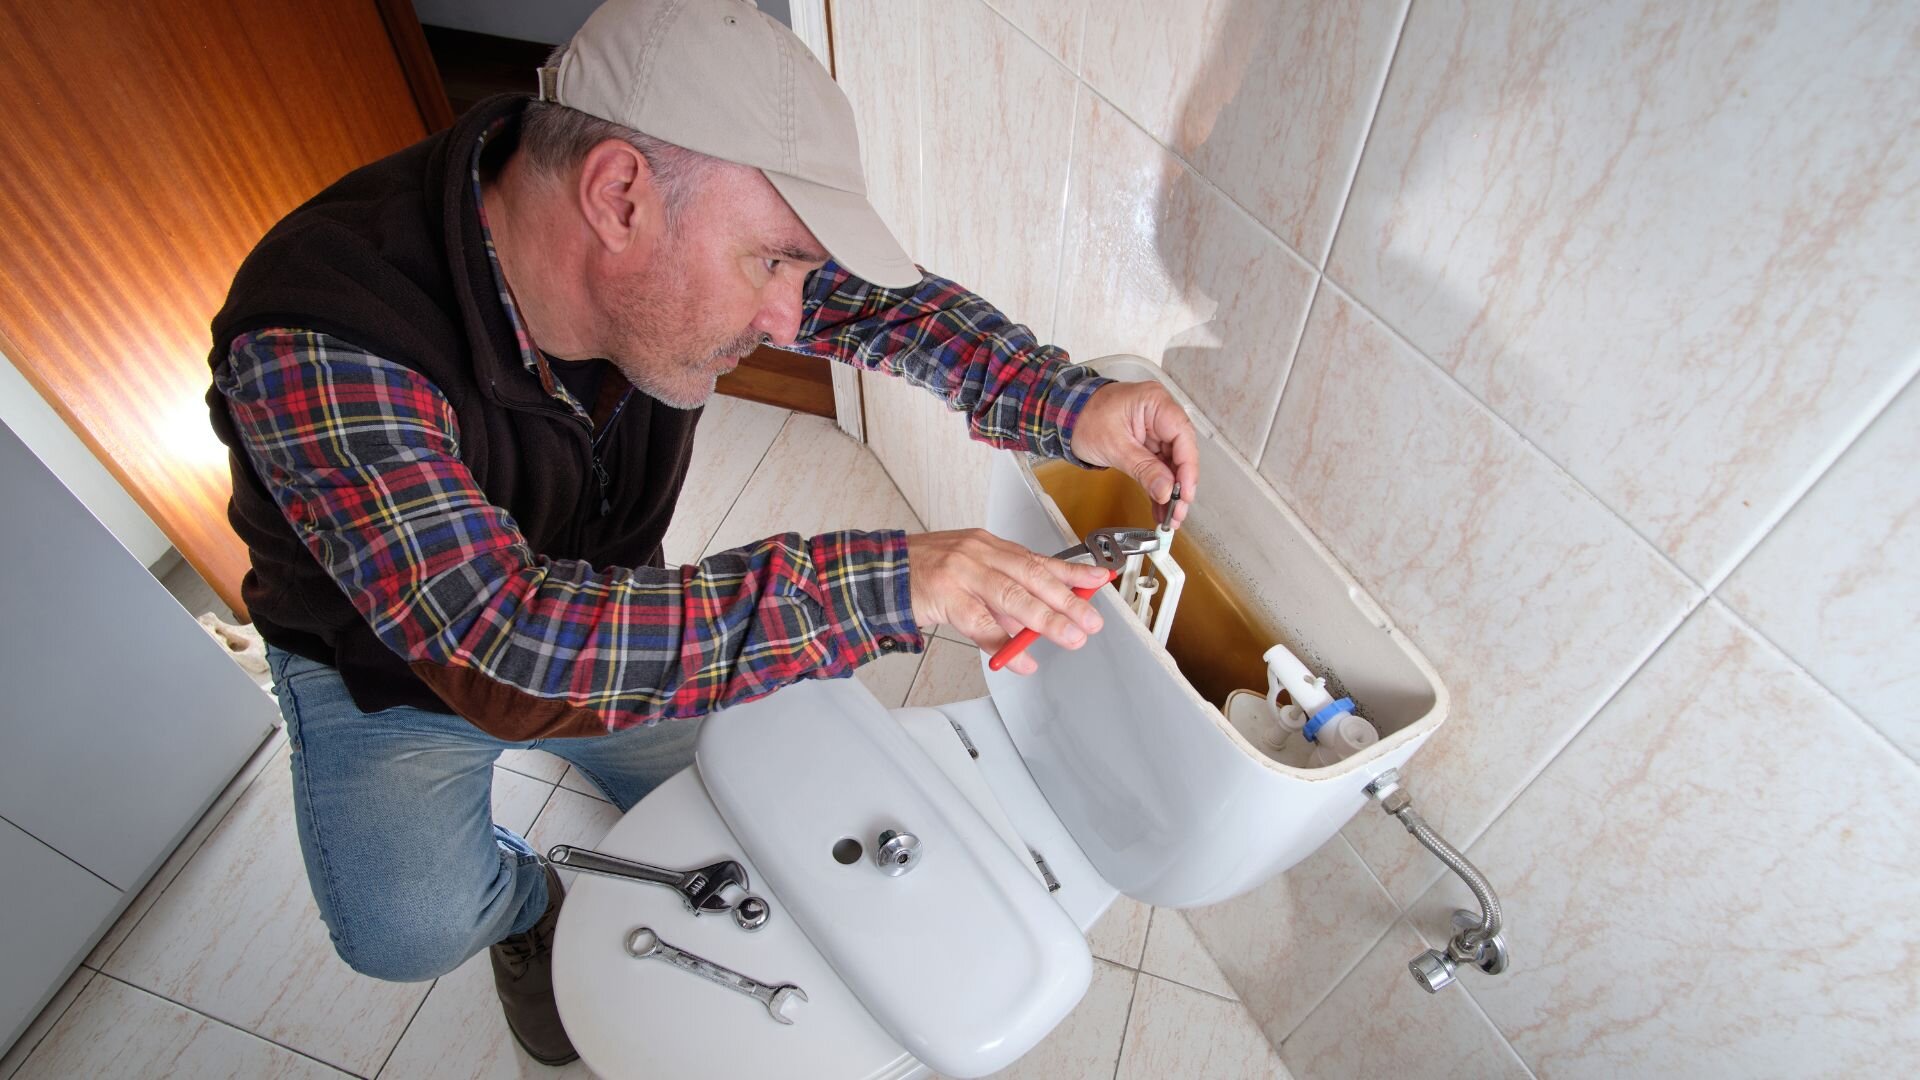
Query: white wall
[{"x": 34, "y": 421}]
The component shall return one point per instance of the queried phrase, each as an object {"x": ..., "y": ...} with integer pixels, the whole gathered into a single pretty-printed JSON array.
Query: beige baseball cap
[{"x": 721, "y": 78}]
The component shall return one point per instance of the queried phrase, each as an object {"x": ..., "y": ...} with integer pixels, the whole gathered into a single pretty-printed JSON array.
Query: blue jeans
[{"x": 395, "y": 814}]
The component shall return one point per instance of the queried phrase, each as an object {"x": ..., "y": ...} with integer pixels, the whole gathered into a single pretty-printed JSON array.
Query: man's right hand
[{"x": 990, "y": 589}]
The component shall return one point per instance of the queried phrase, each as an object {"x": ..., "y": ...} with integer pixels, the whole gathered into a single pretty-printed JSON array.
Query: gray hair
[{"x": 555, "y": 138}]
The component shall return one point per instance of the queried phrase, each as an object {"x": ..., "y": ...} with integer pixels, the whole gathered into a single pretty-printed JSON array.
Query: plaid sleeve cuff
[
  {"x": 868, "y": 600},
  {"x": 1054, "y": 410}
]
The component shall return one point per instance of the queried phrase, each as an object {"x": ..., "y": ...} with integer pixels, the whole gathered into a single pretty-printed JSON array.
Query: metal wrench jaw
[
  {"x": 706, "y": 892},
  {"x": 786, "y": 1001},
  {"x": 1111, "y": 547}
]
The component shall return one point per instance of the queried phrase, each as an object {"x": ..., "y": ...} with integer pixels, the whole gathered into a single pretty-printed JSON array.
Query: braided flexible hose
[{"x": 1472, "y": 938}]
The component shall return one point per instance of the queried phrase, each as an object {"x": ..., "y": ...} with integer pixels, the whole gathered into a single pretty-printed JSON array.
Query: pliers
[{"x": 1110, "y": 548}]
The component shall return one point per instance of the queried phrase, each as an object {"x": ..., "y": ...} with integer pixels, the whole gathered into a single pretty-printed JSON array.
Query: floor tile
[
  {"x": 572, "y": 818},
  {"x": 813, "y": 480},
  {"x": 1121, "y": 934},
  {"x": 1087, "y": 1043},
  {"x": 574, "y": 782},
  {"x": 460, "y": 1033},
  {"x": 50, "y": 1015},
  {"x": 115, "y": 1030},
  {"x": 517, "y": 799},
  {"x": 951, "y": 673},
  {"x": 1379, "y": 1023},
  {"x": 1176, "y": 1030},
  {"x": 891, "y": 676},
  {"x": 1175, "y": 952},
  {"x": 732, "y": 436},
  {"x": 237, "y": 936},
  {"x": 535, "y": 763},
  {"x": 268, "y": 753}
]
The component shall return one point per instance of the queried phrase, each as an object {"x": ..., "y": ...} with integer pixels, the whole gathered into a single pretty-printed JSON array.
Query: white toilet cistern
[{"x": 918, "y": 883}]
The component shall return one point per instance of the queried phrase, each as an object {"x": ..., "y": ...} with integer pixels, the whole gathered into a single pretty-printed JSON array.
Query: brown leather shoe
[{"x": 523, "y": 977}]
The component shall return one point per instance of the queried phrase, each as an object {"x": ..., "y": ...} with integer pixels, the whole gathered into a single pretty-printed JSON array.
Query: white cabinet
[{"x": 120, "y": 721}]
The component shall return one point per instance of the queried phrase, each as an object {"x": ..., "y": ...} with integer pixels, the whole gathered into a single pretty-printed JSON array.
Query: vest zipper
[{"x": 593, "y": 453}]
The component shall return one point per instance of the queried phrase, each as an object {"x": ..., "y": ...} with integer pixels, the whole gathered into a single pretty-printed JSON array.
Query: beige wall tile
[
  {"x": 1176, "y": 1030},
  {"x": 1175, "y": 952},
  {"x": 877, "y": 62},
  {"x": 1287, "y": 944},
  {"x": 1837, "y": 584},
  {"x": 1718, "y": 878},
  {"x": 1121, "y": 934},
  {"x": 1529, "y": 597},
  {"x": 1269, "y": 101},
  {"x": 237, "y": 937},
  {"x": 957, "y": 471},
  {"x": 1159, "y": 264},
  {"x": 115, "y": 1030},
  {"x": 951, "y": 673},
  {"x": 1675, "y": 246},
  {"x": 998, "y": 111},
  {"x": 1055, "y": 24},
  {"x": 814, "y": 480},
  {"x": 898, "y": 416},
  {"x": 732, "y": 437},
  {"x": 1087, "y": 1043},
  {"x": 1379, "y": 1023}
]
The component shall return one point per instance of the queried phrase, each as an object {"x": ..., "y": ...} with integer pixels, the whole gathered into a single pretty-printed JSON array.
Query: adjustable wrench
[
  {"x": 781, "y": 1001},
  {"x": 702, "y": 888}
]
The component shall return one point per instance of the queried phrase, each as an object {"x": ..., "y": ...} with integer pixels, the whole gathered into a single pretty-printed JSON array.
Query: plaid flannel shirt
[{"x": 363, "y": 456}]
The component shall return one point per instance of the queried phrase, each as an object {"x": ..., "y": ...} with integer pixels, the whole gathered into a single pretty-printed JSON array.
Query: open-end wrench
[
  {"x": 781, "y": 1001},
  {"x": 1109, "y": 549},
  {"x": 704, "y": 889}
]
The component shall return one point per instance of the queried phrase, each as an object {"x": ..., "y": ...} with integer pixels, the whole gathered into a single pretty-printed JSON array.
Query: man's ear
[{"x": 616, "y": 195}]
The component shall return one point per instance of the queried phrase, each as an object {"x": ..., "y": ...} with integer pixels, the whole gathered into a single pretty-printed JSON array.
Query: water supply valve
[{"x": 1477, "y": 939}]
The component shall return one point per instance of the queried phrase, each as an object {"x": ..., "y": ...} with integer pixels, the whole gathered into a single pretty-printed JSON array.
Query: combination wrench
[{"x": 781, "y": 1001}]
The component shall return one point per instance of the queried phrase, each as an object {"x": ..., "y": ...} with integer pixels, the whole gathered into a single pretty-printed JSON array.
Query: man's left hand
[{"x": 1139, "y": 428}]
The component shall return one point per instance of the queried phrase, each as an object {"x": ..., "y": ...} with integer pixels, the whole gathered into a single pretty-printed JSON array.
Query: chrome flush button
[{"x": 896, "y": 852}]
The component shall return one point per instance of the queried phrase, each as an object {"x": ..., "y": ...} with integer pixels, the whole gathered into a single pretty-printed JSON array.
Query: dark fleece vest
[{"x": 391, "y": 258}]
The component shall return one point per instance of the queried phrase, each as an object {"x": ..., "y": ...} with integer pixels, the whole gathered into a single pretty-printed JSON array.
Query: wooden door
[{"x": 147, "y": 146}]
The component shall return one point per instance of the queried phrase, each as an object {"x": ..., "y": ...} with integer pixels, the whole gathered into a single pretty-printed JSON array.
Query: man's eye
[{"x": 771, "y": 264}]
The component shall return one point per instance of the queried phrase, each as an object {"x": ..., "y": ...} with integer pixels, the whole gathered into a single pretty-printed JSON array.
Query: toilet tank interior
[{"x": 1255, "y": 576}]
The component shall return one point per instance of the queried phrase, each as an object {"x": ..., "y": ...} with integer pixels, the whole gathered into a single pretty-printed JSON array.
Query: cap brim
[{"x": 850, "y": 229}]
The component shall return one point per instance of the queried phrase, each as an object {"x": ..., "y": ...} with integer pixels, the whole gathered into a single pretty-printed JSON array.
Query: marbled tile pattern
[
  {"x": 1121, "y": 933},
  {"x": 1379, "y": 1023},
  {"x": 732, "y": 437},
  {"x": 237, "y": 936},
  {"x": 115, "y": 1030},
  {"x": 876, "y": 46},
  {"x": 1837, "y": 584},
  {"x": 1674, "y": 245},
  {"x": 1780, "y": 932},
  {"x": 1285, "y": 944},
  {"x": 1531, "y": 600},
  {"x": 951, "y": 673},
  {"x": 1158, "y": 263},
  {"x": 1160, "y": 1041},
  {"x": 572, "y": 818},
  {"x": 1269, "y": 101},
  {"x": 1174, "y": 953},
  {"x": 998, "y": 111},
  {"x": 50, "y": 1015},
  {"x": 899, "y": 417},
  {"x": 891, "y": 676},
  {"x": 814, "y": 479},
  {"x": 460, "y": 1033},
  {"x": 1056, "y": 24},
  {"x": 1087, "y": 1043}
]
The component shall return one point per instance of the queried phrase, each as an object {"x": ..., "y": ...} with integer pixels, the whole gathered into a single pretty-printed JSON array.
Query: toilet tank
[{"x": 1128, "y": 740}]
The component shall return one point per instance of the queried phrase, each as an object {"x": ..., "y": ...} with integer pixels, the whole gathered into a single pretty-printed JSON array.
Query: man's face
[{"x": 724, "y": 278}]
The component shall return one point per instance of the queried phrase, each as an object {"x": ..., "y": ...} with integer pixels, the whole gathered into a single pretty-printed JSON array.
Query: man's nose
[{"x": 779, "y": 316}]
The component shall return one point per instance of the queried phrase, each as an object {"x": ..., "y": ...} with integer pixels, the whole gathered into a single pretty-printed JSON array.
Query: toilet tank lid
[{"x": 964, "y": 958}]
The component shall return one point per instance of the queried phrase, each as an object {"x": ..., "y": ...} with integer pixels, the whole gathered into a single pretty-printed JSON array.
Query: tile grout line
[
  {"x": 707, "y": 540},
  {"x": 1133, "y": 994},
  {"x": 236, "y": 1027},
  {"x": 161, "y": 895},
  {"x": 408, "y": 1026},
  {"x": 1344, "y": 975},
  {"x": 94, "y": 973},
  {"x": 1259, "y": 450}
]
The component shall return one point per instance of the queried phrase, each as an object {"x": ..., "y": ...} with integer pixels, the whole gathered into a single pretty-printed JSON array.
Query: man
[{"x": 461, "y": 386}]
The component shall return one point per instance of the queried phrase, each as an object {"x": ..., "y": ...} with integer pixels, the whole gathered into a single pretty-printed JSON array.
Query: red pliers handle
[{"x": 1028, "y": 636}]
